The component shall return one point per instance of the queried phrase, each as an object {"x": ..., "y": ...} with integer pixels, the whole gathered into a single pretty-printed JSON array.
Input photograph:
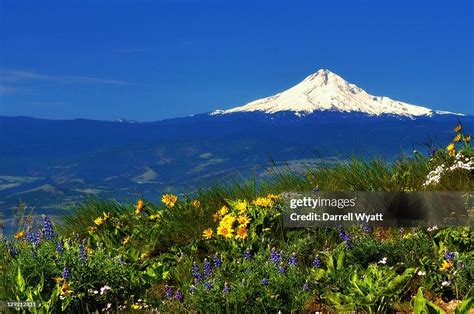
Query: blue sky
[{"x": 147, "y": 60}]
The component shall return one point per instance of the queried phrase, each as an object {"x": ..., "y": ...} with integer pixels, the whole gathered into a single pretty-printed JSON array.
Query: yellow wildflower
[
  {"x": 272, "y": 197},
  {"x": 227, "y": 221},
  {"x": 99, "y": 221},
  {"x": 446, "y": 265},
  {"x": 458, "y": 128},
  {"x": 20, "y": 235},
  {"x": 241, "y": 206},
  {"x": 262, "y": 202},
  {"x": 89, "y": 251},
  {"x": 467, "y": 139},
  {"x": 243, "y": 220},
  {"x": 216, "y": 217},
  {"x": 155, "y": 217},
  {"x": 451, "y": 147},
  {"x": 135, "y": 306},
  {"x": 224, "y": 210},
  {"x": 106, "y": 215},
  {"x": 126, "y": 239},
  {"x": 169, "y": 200},
  {"x": 140, "y": 206},
  {"x": 457, "y": 138},
  {"x": 207, "y": 233},
  {"x": 225, "y": 231},
  {"x": 65, "y": 288},
  {"x": 242, "y": 233},
  {"x": 196, "y": 204},
  {"x": 452, "y": 153},
  {"x": 92, "y": 229}
]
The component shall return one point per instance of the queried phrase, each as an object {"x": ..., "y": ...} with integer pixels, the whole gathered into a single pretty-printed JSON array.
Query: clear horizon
[{"x": 153, "y": 61}]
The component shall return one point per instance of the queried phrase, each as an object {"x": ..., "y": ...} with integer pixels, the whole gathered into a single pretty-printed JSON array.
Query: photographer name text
[{"x": 351, "y": 216}]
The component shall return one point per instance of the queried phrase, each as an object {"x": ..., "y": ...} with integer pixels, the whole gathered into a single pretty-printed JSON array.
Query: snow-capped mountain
[{"x": 327, "y": 91}]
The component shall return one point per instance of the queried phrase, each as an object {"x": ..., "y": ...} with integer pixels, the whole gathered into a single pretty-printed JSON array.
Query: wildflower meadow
[{"x": 224, "y": 249}]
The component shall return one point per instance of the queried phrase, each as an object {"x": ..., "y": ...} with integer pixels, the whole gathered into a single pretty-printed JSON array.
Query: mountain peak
[{"x": 327, "y": 91}]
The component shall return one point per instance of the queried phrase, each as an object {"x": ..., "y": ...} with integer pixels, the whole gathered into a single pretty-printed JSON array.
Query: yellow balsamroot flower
[
  {"x": 452, "y": 153},
  {"x": 126, "y": 239},
  {"x": 262, "y": 202},
  {"x": 169, "y": 200},
  {"x": 224, "y": 210},
  {"x": 272, "y": 197},
  {"x": 451, "y": 147},
  {"x": 196, "y": 204},
  {"x": 155, "y": 217},
  {"x": 227, "y": 221},
  {"x": 241, "y": 206},
  {"x": 225, "y": 232},
  {"x": 65, "y": 288},
  {"x": 467, "y": 139},
  {"x": 216, "y": 217},
  {"x": 106, "y": 215},
  {"x": 458, "y": 128},
  {"x": 242, "y": 233},
  {"x": 446, "y": 265},
  {"x": 243, "y": 220},
  {"x": 135, "y": 306},
  {"x": 99, "y": 221},
  {"x": 92, "y": 229},
  {"x": 140, "y": 206},
  {"x": 20, "y": 235},
  {"x": 457, "y": 138},
  {"x": 207, "y": 233}
]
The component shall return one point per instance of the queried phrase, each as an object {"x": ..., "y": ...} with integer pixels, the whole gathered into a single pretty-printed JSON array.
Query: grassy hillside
[{"x": 224, "y": 248}]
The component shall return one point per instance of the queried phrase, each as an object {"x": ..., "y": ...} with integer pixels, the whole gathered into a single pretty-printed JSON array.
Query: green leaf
[{"x": 20, "y": 281}]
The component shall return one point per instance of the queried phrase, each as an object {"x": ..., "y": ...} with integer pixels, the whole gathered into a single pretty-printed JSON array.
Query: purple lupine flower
[
  {"x": 432, "y": 152},
  {"x": 293, "y": 260},
  {"x": 168, "y": 292},
  {"x": 82, "y": 252},
  {"x": 275, "y": 257},
  {"x": 265, "y": 282},
  {"x": 195, "y": 271},
  {"x": 345, "y": 237},
  {"x": 315, "y": 189},
  {"x": 281, "y": 269},
  {"x": 179, "y": 296},
  {"x": 217, "y": 261},
  {"x": 247, "y": 255},
  {"x": 366, "y": 228},
  {"x": 60, "y": 246},
  {"x": 316, "y": 262},
  {"x": 449, "y": 255},
  {"x": 226, "y": 288},
  {"x": 208, "y": 285},
  {"x": 192, "y": 289},
  {"x": 306, "y": 286},
  {"x": 66, "y": 273},
  {"x": 33, "y": 238},
  {"x": 206, "y": 267},
  {"x": 49, "y": 233}
]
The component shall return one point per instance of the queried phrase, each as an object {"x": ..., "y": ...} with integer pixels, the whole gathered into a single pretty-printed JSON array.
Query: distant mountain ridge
[
  {"x": 50, "y": 163},
  {"x": 327, "y": 91}
]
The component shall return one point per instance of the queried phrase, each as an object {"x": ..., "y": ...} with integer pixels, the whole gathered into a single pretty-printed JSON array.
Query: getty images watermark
[
  {"x": 339, "y": 203},
  {"x": 389, "y": 209}
]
